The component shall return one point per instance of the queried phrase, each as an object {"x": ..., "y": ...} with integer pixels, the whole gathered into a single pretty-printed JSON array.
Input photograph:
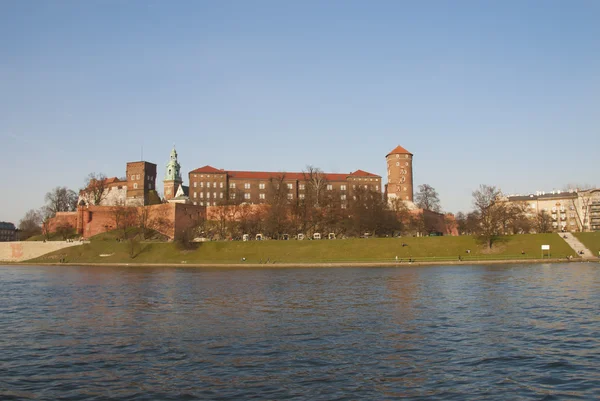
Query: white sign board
[{"x": 545, "y": 247}]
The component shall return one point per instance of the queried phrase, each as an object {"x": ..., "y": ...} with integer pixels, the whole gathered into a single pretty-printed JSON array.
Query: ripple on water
[{"x": 452, "y": 333}]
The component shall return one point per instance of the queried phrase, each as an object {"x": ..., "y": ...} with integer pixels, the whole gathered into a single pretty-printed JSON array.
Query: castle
[{"x": 209, "y": 187}]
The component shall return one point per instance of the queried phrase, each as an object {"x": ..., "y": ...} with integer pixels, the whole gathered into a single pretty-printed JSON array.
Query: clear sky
[{"x": 503, "y": 93}]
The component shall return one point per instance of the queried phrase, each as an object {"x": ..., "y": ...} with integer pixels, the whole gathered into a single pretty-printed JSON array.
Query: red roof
[
  {"x": 399, "y": 150},
  {"x": 265, "y": 175},
  {"x": 207, "y": 169},
  {"x": 361, "y": 173}
]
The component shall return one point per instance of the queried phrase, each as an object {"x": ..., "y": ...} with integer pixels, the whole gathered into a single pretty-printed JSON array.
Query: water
[{"x": 518, "y": 332}]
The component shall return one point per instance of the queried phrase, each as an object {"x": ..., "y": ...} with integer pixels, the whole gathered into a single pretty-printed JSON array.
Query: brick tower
[
  {"x": 172, "y": 179},
  {"x": 141, "y": 178},
  {"x": 400, "y": 175}
]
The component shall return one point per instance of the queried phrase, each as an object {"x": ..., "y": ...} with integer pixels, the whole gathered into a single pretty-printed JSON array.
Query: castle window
[
  {"x": 261, "y": 196},
  {"x": 195, "y": 184},
  {"x": 261, "y": 185},
  {"x": 247, "y": 185},
  {"x": 133, "y": 176},
  {"x": 221, "y": 184},
  {"x": 343, "y": 197},
  {"x": 246, "y": 195},
  {"x": 376, "y": 187},
  {"x": 208, "y": 195},
  {"x": 290, "y": 186},
  {"x": 208, "y": 185},
  {"x": 397, "y": 163},
  {"x": 138, "y": 176},
  {"x": 195, "y": 203},
  {"x": 329, "y": 187},
  {"x": 214, "y": 184},
  {"x": 301, "y": 196},
  {"x": 397, "y": 156},
  {"x": 215, "y": 195},
  {"x": 343, "y": 205},
  {"x": 195, "y": 194},
  {"x": 135, "y": 185},
  {"x": 232, "y": 195},
  {"x": 290, "y": 196},
  {"x": 343, "y": 187},
  {"x": 301, "y": 186},
  {"x": 221, "y": 195},
  {"x": 232, "y": 185},
  {"x": 201, "y": 195}
]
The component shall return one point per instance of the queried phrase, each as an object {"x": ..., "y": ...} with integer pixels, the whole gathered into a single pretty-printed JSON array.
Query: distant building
[
  {"x": 8, "y": 232},
  {"x": 400, "y": 176},
  {"x": 569, "y": 210},
  {"x": 137, "y": 189}
]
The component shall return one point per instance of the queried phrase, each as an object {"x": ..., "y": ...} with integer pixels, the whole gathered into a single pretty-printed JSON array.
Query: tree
[
  {"x": 61, "y": 199},
  {"x": 427, "y": 198},
  {"x": 30, "y": 224},
  {"x": 65, "y": 230},
  {"x": 46, "y": 214},
  {"x": 543, "y": 222},
  {"x": 95, "y": 188},
  {"x": 490, "y": 212}
]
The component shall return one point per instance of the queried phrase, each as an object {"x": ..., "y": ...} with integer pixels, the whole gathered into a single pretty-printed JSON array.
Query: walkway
[{"x": 577, "y": 245}]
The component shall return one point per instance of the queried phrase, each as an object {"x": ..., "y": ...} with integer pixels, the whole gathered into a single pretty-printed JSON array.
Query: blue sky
[{"x": 503, "y": 93}]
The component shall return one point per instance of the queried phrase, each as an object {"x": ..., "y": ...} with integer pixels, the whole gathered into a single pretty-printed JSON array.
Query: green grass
[
  {"x": 590, "y": 240},
  {"x": 348, "y": 250}
]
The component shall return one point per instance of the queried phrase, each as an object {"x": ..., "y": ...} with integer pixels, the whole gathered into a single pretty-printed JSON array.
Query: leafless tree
[
  {"x": 276, "y": 221},
  {"x": 95, "y": 188},
  {"x": 490, "y": 212},
  {"x": 543, "y": 222},
  {"x": 46, "y": 214},
  {"x": 30, "y": 224},
  {"x": 427, "y": 198},
  {"x": 316, "y": 183},
  {"x": 61, "y": 199}
]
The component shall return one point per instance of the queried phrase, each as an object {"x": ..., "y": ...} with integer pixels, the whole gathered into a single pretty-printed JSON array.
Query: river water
[{"x": 501, "y": 332}]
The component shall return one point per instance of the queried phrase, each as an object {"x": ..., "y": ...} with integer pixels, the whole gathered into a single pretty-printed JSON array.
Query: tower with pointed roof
[
  {"x": 172, "y": 180},
  {"x": 400, "y": 175}
]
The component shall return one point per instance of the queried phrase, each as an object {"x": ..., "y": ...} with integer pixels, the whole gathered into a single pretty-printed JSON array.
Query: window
[
  {"x": 353, "y": 186},
  {"x": 195, "y": 203},
  {"x": 137, "y": 176},
  {"x": 208, "y": 195},
  {"x": 301, "y": 186},
  {"x": 201, "y": 195},
  {"x": 301, "y": 196},
  {"x": 201, "y": 203},
  {"x": 202, "y": 184},
  {"x": 343, "y": 205},
  {"x": 261, "y": 185},
  {"x": 214, "y": 184},
  {"x": 221, "y": 184},
  {"x": 261, "y": 196},
  {"x": 133, "y": 176},
  {"x": 290, "y": 186},
  {"x": 343, "y": 187},
  {"x": 208, "y": 185},
  {"x": 195, "y": 195},
  {"x": 290, "y": 196},
  {"x": 195, "y": 184},
  {"x": 232, "y": 185},
  {"x": 221, "y": 195},
  {"x": 149, "y": 186},
  {"x": 135, "y": 185},
  {"x": 343, "y": 197},
  {"x": 376, "y": 187},
  {"x": 215, "y": 195},
  {"x": 232, "y": 195},
  {"x": 329, "y": 187},
  {"x": 247, "y": 185},
  {"x": 366, "y": 187}
]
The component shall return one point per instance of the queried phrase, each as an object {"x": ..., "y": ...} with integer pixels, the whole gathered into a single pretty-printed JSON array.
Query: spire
[{"x": 173, "y": 171}]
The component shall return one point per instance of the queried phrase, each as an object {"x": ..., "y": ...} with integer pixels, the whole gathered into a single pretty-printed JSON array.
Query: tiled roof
[
  {"x": 399, "y": 150},
  {"x": 207, "y": 169},
  {"x": 361, "y": 173},
  {"x": 266, "y": 175}
]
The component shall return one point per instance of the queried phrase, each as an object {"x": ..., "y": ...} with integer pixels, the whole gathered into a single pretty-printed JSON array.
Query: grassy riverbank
[
  {"x": 591, "y": 241},
  {"x": 105, "y": 249}
]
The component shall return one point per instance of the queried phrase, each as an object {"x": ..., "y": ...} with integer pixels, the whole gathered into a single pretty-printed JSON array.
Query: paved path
[
  {"x": 577, "y": 245},
  {"x": 19, "y": 251}
]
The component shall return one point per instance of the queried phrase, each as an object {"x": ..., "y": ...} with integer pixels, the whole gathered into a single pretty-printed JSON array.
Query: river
[{"x": 498, "y": 332}]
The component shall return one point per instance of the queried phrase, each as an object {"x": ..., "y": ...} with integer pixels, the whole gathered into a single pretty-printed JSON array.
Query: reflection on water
[{"x": 453, "y": 332}]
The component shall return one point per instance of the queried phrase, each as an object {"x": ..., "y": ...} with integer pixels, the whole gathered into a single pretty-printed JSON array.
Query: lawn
[
  {"x": 107, "y": 249},
  {"x": 591, "y": 241}
]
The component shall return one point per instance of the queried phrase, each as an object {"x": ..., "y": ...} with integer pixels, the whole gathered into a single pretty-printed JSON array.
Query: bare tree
[
  {"x": 95, "y": 188},
  {"x": 490, "y": 212},
  {"x": 276, "y": 222},
  {"x": 61, "y": 199},
  {"x": 543, "y": 222},
  {"x": 316, "y": 183},
  {"x": 30, "y": 224},
  {"x": 46, "y": 215},
  {"x": 427, "y": 198}
]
